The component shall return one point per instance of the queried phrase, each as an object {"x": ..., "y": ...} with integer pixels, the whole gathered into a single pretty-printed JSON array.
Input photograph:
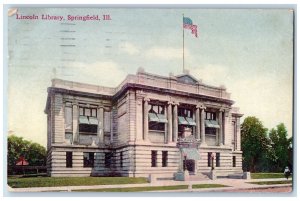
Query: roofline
[{"x": 129, "y": 86}]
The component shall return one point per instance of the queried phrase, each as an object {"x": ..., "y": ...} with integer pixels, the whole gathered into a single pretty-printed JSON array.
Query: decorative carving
[
  {"x": 201, "y": 106},
  {"x": 222, "y": 109},
  {"x": 176, "y": 103}
]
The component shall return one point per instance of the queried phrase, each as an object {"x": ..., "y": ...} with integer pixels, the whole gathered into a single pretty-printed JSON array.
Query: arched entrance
[{"x": 189, "y": 165}]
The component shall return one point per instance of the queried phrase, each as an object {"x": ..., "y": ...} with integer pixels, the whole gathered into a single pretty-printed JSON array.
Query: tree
[
  {"x": 281, "y": 145},
  {"x": 34, "y": 153},
  {"x": 254, "y": 143}
]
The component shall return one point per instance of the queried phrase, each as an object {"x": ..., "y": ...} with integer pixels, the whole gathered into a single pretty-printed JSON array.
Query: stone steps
[{"x": 198, "y": 177}]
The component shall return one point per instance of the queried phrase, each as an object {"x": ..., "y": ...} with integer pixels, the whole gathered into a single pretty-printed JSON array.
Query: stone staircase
[
  {"x": 236, "y": 176},
  {"x": 198, "y": 177}
]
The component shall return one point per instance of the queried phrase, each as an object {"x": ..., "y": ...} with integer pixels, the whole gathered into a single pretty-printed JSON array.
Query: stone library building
[{"x": 148, "y": 125}]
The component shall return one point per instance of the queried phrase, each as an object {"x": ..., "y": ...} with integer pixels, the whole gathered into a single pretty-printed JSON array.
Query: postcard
[{"x": 127, "y": 99}]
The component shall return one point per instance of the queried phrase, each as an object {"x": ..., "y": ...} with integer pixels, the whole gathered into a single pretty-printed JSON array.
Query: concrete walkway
[{"x": 234, "y": 184}]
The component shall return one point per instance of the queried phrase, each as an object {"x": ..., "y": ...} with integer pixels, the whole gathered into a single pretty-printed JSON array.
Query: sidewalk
[{"x": 236, "y": 184}]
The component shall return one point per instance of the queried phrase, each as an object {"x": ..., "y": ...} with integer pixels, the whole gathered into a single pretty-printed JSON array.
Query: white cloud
[
  {"x": 129, "y": 48},
  {"x": 106, "y": 73},
  {"x": 269, "y": 98},
  {"x": 266, "y": 98},
  {"x": 165, "y": 53},
  {"x": 211, "y": 74}
]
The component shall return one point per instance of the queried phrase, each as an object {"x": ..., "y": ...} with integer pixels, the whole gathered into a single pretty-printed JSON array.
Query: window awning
[
  {"x": 191, "y": 153},
  {"x": 83, "y": 120},
  {"x": 182, "y": 121},
  {"x": 93, "y": 120},
  {"x": 211, "y": 124},
  {"x": 191, "y": 121},
  {"x": 153, "y": 117},
  {"x": 162, "y": 118}
]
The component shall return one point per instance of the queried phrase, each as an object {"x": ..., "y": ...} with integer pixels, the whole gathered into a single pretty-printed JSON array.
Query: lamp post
[
  {"x": 212, "y": 161},
  {"x": 184, "y": 162}
]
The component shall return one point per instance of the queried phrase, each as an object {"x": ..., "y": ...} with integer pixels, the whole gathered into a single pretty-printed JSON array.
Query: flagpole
[{"x": 182, "y": 44}]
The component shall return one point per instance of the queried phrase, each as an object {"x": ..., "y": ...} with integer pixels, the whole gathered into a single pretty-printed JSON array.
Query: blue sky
[{"x": 250, "y": 51}]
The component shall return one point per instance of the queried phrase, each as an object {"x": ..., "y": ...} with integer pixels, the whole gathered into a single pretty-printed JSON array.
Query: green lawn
[
  {"x": 136, "y": 189},
  {"x": 71, "y": 181},
  {"x": 209, "y": 185},
  {"x": 271, "y": 182},
  {"x": 266, "y": 175}
]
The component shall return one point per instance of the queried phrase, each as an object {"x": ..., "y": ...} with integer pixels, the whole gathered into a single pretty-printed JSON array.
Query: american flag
[{"x": 188, "y": 24}]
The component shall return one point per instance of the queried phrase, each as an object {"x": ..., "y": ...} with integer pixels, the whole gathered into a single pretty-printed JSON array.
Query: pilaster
[
  {"x": 146, "y": 126},
  {"x": 170, "y": 126},
  {"x": 175, "y": 122},
  {"x": 75, "y": 117},
  {"x": 100, "y": 124}
]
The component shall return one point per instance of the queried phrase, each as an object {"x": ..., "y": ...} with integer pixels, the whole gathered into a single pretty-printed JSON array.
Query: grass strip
[
  {"x": 209, "y": 186},
  {"x": 136, "y": 189},
  {"x": 71, "y": 181},
  {"x": 271, "y": 182},
  {"x": 266, "y": 175}
]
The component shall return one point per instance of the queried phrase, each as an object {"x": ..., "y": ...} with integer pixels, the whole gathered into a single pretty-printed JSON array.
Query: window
[
  {"x": 88, "y": 122},
  {"x": 164, "y": 158},
  {"x": 153, "y": 158},
  {"x": 211, "y": 124},
  {"x": 185, "y": 112},
  {"x": 209, "y": 159},
  {"x": 157, "y": 109},
  {"x": 217, "y": 159},
  {"x": 69, "y": 159},
  {"x": 89, "y": 112},
  {"x": 210, "y": 116},
  {"x": 121, "y": 159},
  {"x": 88, "y": 159},
  {"x": 157, "y": 118},
  {"x": 108, "y": 160},
  {"x": 210, "y": 131},
  {"x": 185, "y": 120},
  {"x": 68, "y": 116},
  {"x": 233, "y": 161}
]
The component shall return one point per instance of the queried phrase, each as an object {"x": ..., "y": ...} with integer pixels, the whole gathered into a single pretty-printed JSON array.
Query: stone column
[
  {"x": 220, "y": 138},
  {"x": 75, "y": 117},
  {"x": 202, "y": 122},
  {"x": 175, "y": 122},
  {"x": 146, "y": 100},
  {"x": 197, "y": 123},
  {"x": 170, "y": 122},
  {"x": 100, "y": 133}
]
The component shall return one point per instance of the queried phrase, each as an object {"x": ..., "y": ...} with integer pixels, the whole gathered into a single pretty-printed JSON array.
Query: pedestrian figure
[{"x": 287, "y": 172}]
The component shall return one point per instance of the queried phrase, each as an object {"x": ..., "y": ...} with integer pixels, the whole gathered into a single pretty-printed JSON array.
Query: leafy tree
[
  {"x": 34, "y": 153},
  {"x": 254, "y": 143},
  {"x": 281, "y": 145}
]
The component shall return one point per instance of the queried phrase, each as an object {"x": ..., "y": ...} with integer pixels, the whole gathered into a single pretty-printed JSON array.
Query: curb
[{"x": 220, "y": 189}]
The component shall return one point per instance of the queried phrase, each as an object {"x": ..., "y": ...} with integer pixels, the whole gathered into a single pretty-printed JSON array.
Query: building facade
[{"x": 132, "y": 130}]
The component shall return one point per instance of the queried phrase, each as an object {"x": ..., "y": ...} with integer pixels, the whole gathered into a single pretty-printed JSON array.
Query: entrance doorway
[{"x": 189, "y": 165}]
